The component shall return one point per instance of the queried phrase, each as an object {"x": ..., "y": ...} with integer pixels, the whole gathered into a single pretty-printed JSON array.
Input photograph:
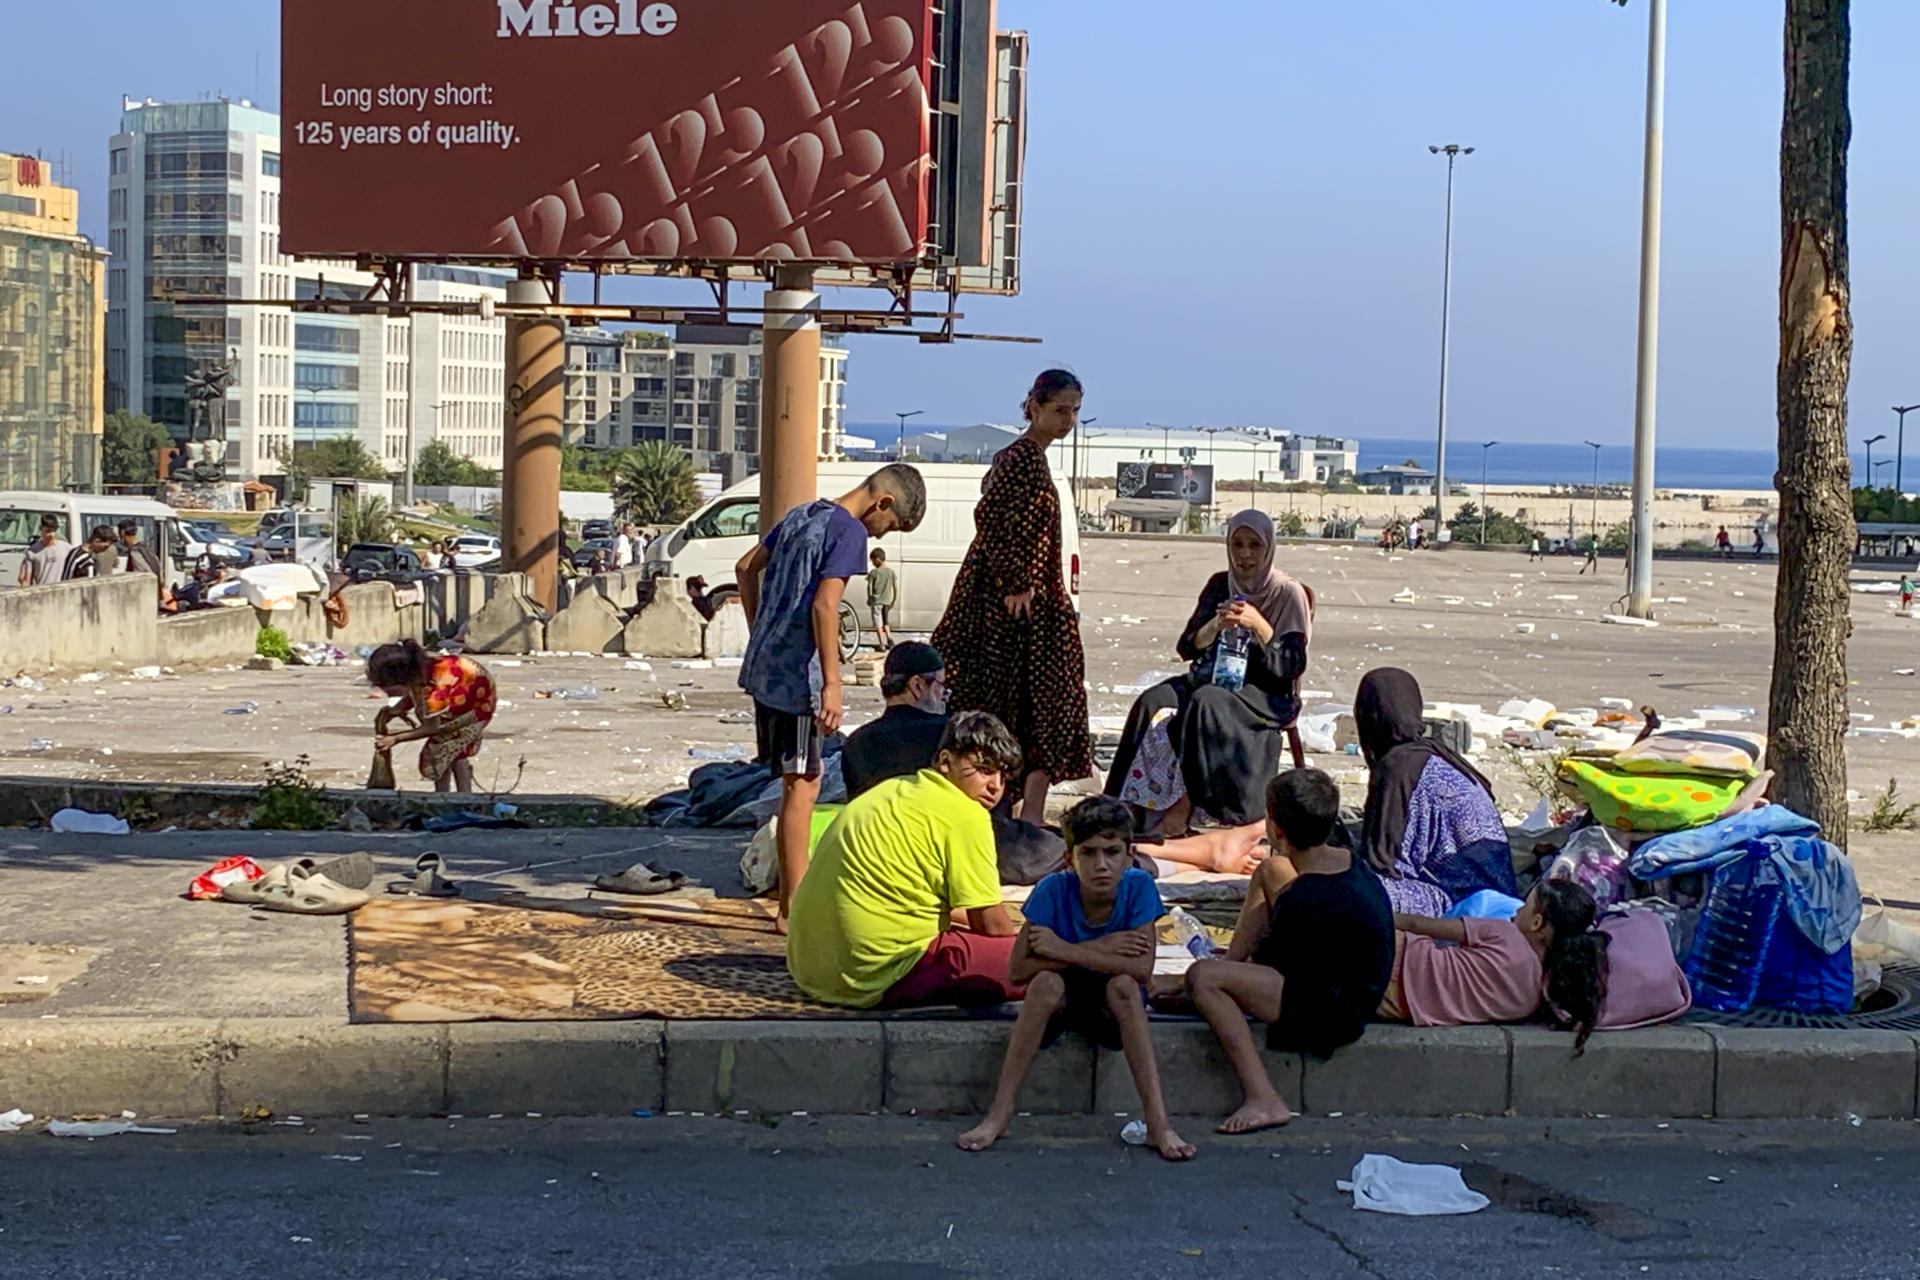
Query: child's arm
[
  {"x": 826, "y": 639},
  {"x": 747, "y": 578},
  {"x": 1427, "y": 926},
  {"x": 1025, "y": 966},
  {"x": 1130, "y": 953}
]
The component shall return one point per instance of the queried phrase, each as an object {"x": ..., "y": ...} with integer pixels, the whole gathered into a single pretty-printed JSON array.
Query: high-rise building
[
  {"x": 52, "y": 300},
  {"x": 699, "y": 389},
  {"x": 194, "y": 212}
]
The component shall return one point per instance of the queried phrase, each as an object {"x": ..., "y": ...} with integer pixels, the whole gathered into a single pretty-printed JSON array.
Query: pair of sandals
[
  {"x": 306, "y": 887},
  {"x": 646, "y": 879}
]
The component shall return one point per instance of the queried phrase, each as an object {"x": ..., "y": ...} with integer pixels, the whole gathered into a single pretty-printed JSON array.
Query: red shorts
[{"x": 960, "y": 968}]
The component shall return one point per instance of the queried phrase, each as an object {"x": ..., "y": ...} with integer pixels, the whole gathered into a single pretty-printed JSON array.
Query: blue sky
[{"x": 1233, "y": 217}]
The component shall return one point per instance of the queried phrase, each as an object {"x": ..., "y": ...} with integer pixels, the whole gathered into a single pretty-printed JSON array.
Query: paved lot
[{"x": 890, "y": 1199}]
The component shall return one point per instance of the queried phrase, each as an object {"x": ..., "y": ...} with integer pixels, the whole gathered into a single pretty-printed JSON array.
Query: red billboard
[{"x": 711, "y": 130}]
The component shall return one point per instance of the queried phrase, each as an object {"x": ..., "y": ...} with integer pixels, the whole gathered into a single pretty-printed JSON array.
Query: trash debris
[
  {"x": 673, "y": 700},
  {"x": 239, "y": 870},
  {"x": 1524, "y": 628},
  {"x": 10, "y": 1121},
  {"x": 584, "y": 693},
  {"x": 38, "y": 745},
  {"x": 746, "y": 717},
  {"x": 692, "y": 664},
  {"x": 80, "y": 822},
  {"x": 733, "y": 753},
  {"x": 1622, "y": 620},
  {"x": 32, "y": 979},
  {"x": 1386, "y": 1185},
  {"x": 145, "y": 673},
  {"x": 1134, "y": 1133},
  {"x": 1405, "y": 597},
  {"x": 355, "y": 820},
  {"x": 100, "y": 1128},
  {"x": 244, "y": 709},
  {"x": 636, "y": 666}
]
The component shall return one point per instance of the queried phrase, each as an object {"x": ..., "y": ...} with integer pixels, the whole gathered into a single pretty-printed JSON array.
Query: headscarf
[
  {"x": 1387, "y": 712},
  {"x": 1280, "y": 600}
]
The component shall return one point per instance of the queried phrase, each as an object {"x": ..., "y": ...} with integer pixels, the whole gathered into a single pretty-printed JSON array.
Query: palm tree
[
  {"x": 363, "y": 520},
  {"x": 653, "y": 484}
]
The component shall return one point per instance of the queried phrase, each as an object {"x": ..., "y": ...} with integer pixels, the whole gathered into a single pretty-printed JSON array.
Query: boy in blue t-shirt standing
[
  {"x": 1085, "y": 956},
  {"x": 791, "y": 586}
]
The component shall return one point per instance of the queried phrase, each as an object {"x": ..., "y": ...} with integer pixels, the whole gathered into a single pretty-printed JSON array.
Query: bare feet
[
  {"x": 1170, "y": 1145},
  {"x": 1252, "y": 1117},
  {"x": 983, "y": 1135},
  {"x": 780, "y": 924},
  {"x": 1237, "y": 851}
]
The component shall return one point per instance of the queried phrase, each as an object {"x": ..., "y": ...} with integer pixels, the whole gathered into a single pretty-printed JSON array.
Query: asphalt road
[{"x": 891, "y": 1199}]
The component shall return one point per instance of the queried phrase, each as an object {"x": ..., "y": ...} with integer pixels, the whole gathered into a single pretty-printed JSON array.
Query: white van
[
  {"x": 80, "y": 514},
  {"x": 714, "y": 538}
]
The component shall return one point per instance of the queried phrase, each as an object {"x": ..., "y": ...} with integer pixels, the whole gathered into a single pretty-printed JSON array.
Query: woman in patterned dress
[
  {"x": 1011, "y": 635},
  {"x": 449, "y": 699},
  {"x": 1431, "y": 829}
]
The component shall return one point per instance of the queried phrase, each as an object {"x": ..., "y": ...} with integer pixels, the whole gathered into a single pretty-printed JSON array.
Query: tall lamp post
[
  {"x": 1870, "y": 442},
  {"x": 901, "y": 450},
  {"x": 1484, "y": 450},
  {"x": 1452, "y": 151},
  {"x": 1593, "y": 525},
  {"x": 1884, "y": 462},
  {"x": 1900, "y": 445},
  {"x": 1646, "y": 382}
]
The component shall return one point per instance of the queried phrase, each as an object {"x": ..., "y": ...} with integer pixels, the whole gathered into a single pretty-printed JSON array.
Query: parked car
[
  {"x": 711, "y": 541},
  {"x": 585, "y": 554},
  {"x": 382, "y": 561},
  {"x": 475, "y": 551},
  {"x": 593, "y": 530},
  {"x": 213, "y": 539}
]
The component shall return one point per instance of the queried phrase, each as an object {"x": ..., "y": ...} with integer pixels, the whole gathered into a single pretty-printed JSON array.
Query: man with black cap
[{"x": 906, "y": 737}]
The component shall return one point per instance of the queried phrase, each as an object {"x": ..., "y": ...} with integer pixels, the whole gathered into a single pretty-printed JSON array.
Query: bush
[
  {"x": 290, "y": 801},
  {"x": 1501, "y": 528},
  {"x": 272, "y": 642}
]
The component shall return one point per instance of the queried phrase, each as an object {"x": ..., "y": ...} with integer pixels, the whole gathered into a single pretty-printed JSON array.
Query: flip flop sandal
[
  {"x": 645, "y": 878},
  {"x": 425, "y": 880},
  {"x": 354, "y": 870},
  {"x": 250, "y": 893},
  {"x": 306, "y": 894}
]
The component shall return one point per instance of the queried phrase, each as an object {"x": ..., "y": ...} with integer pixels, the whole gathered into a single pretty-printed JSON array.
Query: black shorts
[
  {"x": 1085, "y": 1010},
  {"x": 788, "y": 744}
]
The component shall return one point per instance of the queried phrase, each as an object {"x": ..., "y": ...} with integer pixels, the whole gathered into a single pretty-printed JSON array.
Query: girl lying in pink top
[{"x": 1498, "y": 970}]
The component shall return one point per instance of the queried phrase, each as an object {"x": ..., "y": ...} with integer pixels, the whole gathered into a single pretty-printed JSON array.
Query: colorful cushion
[
  {"x": 1692, "y": 751},
  {"x": 1649, "y": 802}
]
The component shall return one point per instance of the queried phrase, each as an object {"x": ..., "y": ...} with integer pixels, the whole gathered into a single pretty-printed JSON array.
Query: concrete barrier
[
  {"x": 208, "y": 637},
  {"x": 89, "y": 625}
]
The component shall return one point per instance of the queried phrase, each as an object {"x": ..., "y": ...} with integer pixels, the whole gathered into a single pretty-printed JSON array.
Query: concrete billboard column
[
  {"x": 530, "y": 476},
  {"x": 789, "y": 396}
]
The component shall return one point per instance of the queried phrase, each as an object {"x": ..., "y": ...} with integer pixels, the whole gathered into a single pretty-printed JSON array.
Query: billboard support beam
[
  {"x": 530, "y": 480},
  {"x": 789, "y": 395}
]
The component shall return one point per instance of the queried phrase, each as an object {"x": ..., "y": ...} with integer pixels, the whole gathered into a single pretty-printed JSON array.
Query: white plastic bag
[
  {"x": 1316, "y": 734},
  {"x": 1386, "y": 1185},
  {"x": 92, "y": 824},
  {"x": 1880, "y": 938},
  {"x": 760, "y": 864}
]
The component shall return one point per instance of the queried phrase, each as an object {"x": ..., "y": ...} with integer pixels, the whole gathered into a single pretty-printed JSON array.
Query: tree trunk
[{"x": 1807, "y": 706}]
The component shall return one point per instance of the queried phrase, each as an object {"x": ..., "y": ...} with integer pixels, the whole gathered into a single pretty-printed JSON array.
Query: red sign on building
[{"x": 27, "y": 171}]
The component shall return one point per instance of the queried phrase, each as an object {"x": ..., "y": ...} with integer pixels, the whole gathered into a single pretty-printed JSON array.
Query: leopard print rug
[{"x": 539, "y": 960}]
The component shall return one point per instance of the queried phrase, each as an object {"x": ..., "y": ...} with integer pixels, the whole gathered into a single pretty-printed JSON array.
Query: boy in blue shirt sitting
[{"x": 1084, "y": 956}]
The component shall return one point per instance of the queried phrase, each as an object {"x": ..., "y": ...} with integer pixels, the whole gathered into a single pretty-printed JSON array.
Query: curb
[{"x": 320, "y": 1067}]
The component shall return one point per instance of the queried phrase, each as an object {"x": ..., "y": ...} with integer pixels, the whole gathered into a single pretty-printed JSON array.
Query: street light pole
[
  {"x": 901, "y": 451},
  {"x": 1453, "y": 151},
  {"x": 1484, "y": 449},
  {"x": 1872, "y": 441},
  {"x": 1646, "y": 386},
  {"x": 1900, "y": 446},
  {"x": 1593, "y": 525}
]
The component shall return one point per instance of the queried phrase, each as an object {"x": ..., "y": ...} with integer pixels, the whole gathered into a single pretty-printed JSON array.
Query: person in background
[
  {"x": 1906, "y": 591},
  {"x": 1011, "y": 632},
  {"x": 1312, "y": 952},
  {"x": 883, "y": 590},
  {"x": 640, "y": 544},
  {"x": 45, "y": 561},
  {"x": 878, "y": 920},
  {"x": 141, "y": 557},
  {"x": 791, "y": 586},
  {"x": 905, "y": 738},
  {"x": 257, "y": 553},
  {"x": 623, "y": 547},
  {"x": 1199, "y": 744},
  {"x": 1085, "y": 955},
  {"x": 1430, "y": 828},
  {"x": 1723, "y": 543},
  {"x": 1759, "y": 542},
  {"x": 449, "y": 698},
  {"x": 1533, "y": 549},
  {"x": 1593, "y": 555},
  {"x": 102, "y": 546}
]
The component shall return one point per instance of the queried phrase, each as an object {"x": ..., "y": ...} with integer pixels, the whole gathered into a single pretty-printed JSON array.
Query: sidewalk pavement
[{"x": 187, "y": 1009}]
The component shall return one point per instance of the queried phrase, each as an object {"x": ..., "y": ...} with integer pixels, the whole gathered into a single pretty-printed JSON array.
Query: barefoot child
[
  {"x": 1086, "y": 951},
  {"x": 1497, "y": 969},
  {"x": 791, "y": 586},
  {"x": 883, "y": 592},
  {"x": 449, "y": 698},
  {"x": 1311, "y": 954}
]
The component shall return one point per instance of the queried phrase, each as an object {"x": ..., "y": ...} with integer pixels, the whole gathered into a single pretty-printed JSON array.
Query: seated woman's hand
[{"x": 1241, "y": 613}]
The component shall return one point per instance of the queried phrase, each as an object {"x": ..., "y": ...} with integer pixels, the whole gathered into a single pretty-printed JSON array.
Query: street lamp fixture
[
  {"x": 1870, "y": 442},
  {"x": 1452, "y": 151},
  {"x": 1900, "y": 445},
  {"x": 1593, "y": 525},
  {"x": 901, "y": 452}
]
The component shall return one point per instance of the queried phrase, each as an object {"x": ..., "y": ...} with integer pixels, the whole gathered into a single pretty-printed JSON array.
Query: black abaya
[{"x": 1229, "y": 739}]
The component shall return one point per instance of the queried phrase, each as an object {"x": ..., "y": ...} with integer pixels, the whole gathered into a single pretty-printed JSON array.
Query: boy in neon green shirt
[{"x": 876, "y": 922}]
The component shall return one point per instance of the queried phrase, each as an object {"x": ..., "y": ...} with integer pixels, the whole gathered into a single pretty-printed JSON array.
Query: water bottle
[
  {"x": 1191, "y": 934},
  {"x": 1230, "y": 656},
  {"x": 1735, "y": 930}
]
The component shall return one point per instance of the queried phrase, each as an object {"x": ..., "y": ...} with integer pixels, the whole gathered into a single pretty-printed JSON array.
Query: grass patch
[{"x": 1888, "y": 814}]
